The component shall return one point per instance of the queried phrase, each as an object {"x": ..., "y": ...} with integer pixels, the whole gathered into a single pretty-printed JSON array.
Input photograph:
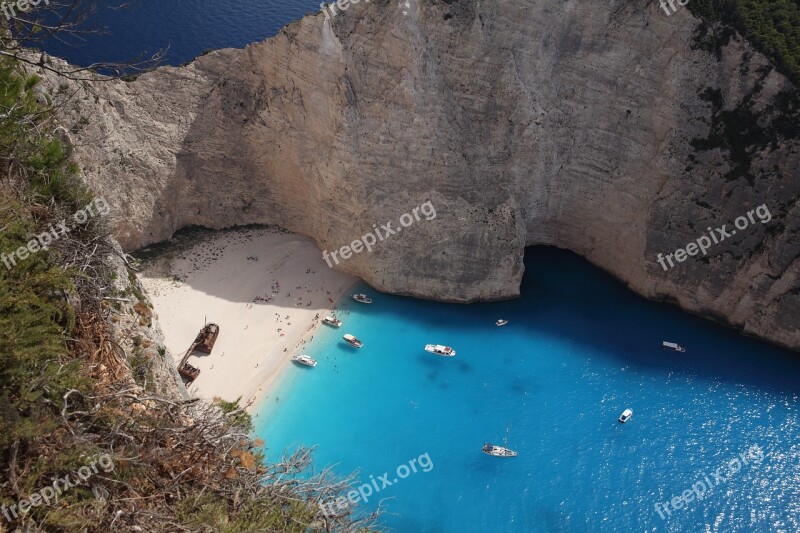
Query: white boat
[
  {"x": 438, "y": 349},
  {"x": 626, "y": 415},
  {"x": 498, "y": 451},
  {"x": 305, "y": 360},
  {"x": 332, "y": 321},
  {"x": 352, "y": 341},
  {"x": 673, "y": 346},
  {"x": 362, "y": 298},
  {"x": 501, "y": 322}
]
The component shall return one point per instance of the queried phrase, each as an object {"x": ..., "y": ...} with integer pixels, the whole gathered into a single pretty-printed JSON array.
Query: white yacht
[
  {"x": 501, "y": 322},
  {"x": 626, "y": 415},
  {"x": 438, "y": 349},
  {"x": 672, "y": 346},
  {"x": 305, "y": 360},
  {"x": 362, "y": 298},
  {"x": 498, "y": 451},
  {"x": 332, "y": 321},
  {"x": 352, "y": 341}
]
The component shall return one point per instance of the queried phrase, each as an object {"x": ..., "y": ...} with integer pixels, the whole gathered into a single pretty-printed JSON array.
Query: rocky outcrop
[
  {"x": 604, "y": 127},
  {"x": 134, "y": 326}
]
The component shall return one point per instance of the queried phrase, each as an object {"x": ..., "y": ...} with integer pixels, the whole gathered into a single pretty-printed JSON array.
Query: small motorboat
[
  {"x": 352, "y": 341},
  {"x": 498, "y": 451},
  {"x": 626, "y": 415},
  {"x": 305, "y": 360},
  {"x": 362, "y": 298},
  {"x": 501, "y": 322},
  {"x": 332, "y": 321},
  {"x": 672, "y": 346},
  {"x": 438, "y": 349}
]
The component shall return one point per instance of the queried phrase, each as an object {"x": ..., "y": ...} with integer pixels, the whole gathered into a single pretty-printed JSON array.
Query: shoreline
[
  {"x": 268, "y": 291},
  {"x": 276, "y": 378}
]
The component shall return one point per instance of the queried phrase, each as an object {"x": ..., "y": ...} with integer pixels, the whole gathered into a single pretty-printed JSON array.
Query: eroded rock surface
[{"x": 597, "y": 126}]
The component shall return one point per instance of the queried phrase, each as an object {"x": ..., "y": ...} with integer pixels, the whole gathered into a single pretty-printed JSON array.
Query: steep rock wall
[{"x": 595, "y": 126}]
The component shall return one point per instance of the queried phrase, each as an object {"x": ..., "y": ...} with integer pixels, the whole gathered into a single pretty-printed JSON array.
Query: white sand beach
[{"x": 246, "y": 281}]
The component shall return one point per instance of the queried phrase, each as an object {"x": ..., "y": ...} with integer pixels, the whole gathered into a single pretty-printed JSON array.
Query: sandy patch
[{"x": 246, "y": 281}]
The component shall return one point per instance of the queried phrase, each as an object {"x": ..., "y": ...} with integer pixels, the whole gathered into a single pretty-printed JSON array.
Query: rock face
[
  {"x": 604, "y": 127},
  {"x": 136, "y": 330}
]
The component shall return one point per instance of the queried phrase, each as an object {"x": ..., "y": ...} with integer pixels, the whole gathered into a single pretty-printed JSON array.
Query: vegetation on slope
[
  {"x": 772, "y": 26},
  {"x": 746, "y": 132},
  {"x": 745, "y": 129},
  {"x": 72, "y": 398}
]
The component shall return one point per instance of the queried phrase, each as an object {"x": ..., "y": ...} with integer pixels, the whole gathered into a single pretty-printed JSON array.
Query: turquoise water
[{"x": 578, "y": 350}]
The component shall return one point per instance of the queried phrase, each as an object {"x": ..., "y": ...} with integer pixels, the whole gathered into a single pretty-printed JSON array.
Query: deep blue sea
[
  {"x": 185, "y": 28},
  {"x": 579, "y": 348}
]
